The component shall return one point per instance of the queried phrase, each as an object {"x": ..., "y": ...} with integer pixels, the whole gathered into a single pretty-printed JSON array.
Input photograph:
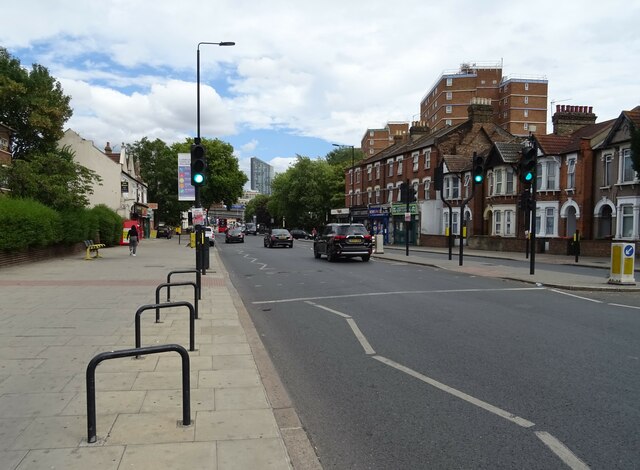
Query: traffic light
[
  {"x": 478, "y": 168},
  {"x": 403, "y": 192},
  {"x": 412, "y": 193},
  {"x": 439, "y": 177},
  {"x": 198, "y": 164},
  {"x": 527, "y": 167}
]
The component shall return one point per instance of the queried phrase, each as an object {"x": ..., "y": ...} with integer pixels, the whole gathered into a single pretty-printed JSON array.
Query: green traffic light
[
  {"x": 198, "y": 178},
  {"x": 478, "y": 178},
  {"x": 528, "y": 176}
]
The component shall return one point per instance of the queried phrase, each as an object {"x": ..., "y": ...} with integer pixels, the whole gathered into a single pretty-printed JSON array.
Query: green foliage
[
  {"x": 109, "y": 225},
  {"x": 78, "y": 225},
  {"x": 33, "y": 104},
  {"x": 224, "y": 180},
  {"x": 258, "y": 207},
  {"x": 52, "y": 178},
  {"x": 27, "y": 223},
  {"x": 304, "y": 193}
]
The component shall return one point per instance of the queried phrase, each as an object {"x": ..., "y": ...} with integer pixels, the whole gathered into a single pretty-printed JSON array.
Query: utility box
[
  {"x": 622, "y": 263},
  {"x": 380, "y": 243}
]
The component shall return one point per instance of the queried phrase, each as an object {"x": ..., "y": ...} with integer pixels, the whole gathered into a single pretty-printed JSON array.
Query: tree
[
  {"x": 258, "y": 207},
  {"x": 53, "y": 179},
  {"x": 159, "y": 169},
  {"x": 224, "y": 181},
  {"x": 303, "y": 194},
  {"x": 34, "y": 105}
]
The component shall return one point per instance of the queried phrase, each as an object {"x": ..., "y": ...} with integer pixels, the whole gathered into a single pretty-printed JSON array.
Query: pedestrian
[
  {"x": 132, "y": 236},
  {"x": 314, "y": 233}
]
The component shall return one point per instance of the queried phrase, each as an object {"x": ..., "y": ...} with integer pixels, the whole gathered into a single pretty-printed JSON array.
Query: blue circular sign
[{"x": 628, "y": 250}]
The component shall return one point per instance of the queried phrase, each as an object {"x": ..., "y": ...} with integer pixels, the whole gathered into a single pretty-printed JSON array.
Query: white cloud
[{"x": 322, "y": 69}]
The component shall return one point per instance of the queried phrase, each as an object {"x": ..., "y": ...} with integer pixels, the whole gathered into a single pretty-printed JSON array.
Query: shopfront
[
  {"x": 400, "y": 219},
  {"x": 379, "y": 221}
]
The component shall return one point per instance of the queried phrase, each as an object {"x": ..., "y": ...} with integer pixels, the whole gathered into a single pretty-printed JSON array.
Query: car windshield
[
  {"x": 235, "y": 231},
  {"x": 279, "y": 231},
  {"x": 351, "y": 230}
]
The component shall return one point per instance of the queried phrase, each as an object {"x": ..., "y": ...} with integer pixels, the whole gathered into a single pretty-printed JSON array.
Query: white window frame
[
  {"x": 499, "y": 189},
  {"x": 571, "y": 172},
  {"x": 427, "y": 188},
  {"x": 449, "y": 81},
  {"x": 416, "y": 160},
  {"x": 400, "y": 169},
  {"x": 377, "y": 169},
  {"x": 449, "y": 95},
  {"x": 427, "y": 159},
  {"x": 369, "y": 172},
  {"x": 448, "y": 109},
  {"x": 627, "y": 174},
  {"x": 607, "y": 174},
  {"x": 389, "y": 193},
  {"x": 526, "y": 100},
  {"x": 390, "y": 164},
  {"x": 544, "y": 180},
  {"x": 526, "y": 86},
  {"x": 509, "y": 186},
  {"x": 497, "y": 222},
  {"x": 548, "y": 210}
]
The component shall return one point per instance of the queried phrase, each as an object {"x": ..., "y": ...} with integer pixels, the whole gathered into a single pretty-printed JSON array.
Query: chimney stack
[
  {"x": 480, "y": 110},
  {"x": 107, "y": 148},
  {"x": 568, "y": 119}
]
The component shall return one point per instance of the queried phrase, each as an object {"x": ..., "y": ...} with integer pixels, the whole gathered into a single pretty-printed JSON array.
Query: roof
[
  {"x": 457, "y": 163},
  {"x": 633, "y": 116},
  {"x": 552, "y": 144},
  {"x": 509, "y": 152}
]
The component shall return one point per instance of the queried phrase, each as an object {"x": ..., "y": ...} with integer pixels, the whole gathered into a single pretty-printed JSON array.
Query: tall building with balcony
[
  {"x": 519, "y": 102},
  {"x": 261, "y": 176}
]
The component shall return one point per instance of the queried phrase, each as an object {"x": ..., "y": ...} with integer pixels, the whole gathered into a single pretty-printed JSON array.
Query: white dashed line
[
  {"x": 576, "y": 296},
  {"x": 561, "y": 451}
]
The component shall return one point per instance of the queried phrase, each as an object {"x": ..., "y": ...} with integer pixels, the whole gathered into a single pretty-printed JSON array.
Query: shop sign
[{"x": 400, "y": 208}]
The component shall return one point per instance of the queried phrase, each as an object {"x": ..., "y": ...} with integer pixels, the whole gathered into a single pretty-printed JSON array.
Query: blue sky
[{"x": 304, "y": 75}]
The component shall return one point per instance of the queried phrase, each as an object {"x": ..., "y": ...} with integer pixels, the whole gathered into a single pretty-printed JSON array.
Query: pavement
[{"x": 56, "y": 315}]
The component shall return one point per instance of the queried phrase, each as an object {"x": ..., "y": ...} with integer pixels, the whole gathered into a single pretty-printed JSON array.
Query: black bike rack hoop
[
  {"x": 185, "y": 271},
  {"x": 168, "y": 286},
  {"x": 157, "y": 307},
  {"x": 91, "y": 381}
]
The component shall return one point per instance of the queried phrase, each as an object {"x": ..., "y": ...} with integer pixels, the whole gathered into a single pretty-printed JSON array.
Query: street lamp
[
  {"x": 201, "y": 259},
  {"x": 351, "y": 177}
]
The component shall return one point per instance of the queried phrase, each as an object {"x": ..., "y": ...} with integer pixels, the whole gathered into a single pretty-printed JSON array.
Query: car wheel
[
  {"x": 331, "y": 256},
  {"x": 366, "y": 258},
  {"x": 316, "y": 254}
]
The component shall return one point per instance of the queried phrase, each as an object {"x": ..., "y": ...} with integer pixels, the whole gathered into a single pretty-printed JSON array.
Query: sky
[{"x": 305, "y": 75}]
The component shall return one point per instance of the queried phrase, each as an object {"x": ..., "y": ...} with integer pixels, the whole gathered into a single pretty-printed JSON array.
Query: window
[
  {"x": 371, "y": 141},
  {"x": 377, "y": 165},
  {"x": 526, "y": 86},
  {"x": 389, "y": 167},
  {"x": 526, "y": 100},
  {"x": 371, "y": 133},
  {"x": 427, "y": 159},
  {"x": 551, "y": 175},
  {"x": 377, "y": 195},
  {"x": 490, "y": 179},
  {"x": 571, "y": 173},
  {"x": 526, "y": 113},
  {"x": 447, "y": 122},
  {"x": 448, "y": 109},
  {"x": 416, "y": 160},
  {"x": 547, "y": 175},
  {"x": 510, "y": 189},
  {"x": 549, "y": 220},
  {"x": 451, "y": 187},
  {"x": 369, "y": 194},
  {"x": 467, "y": 185},
  {"x": 546, "y": 219},
  {"x": 628, "y": 174},
  {"x": 449, "y": 81},
  {"x": 399, "y": 165},
  {"x": 627, "y": 221},
  {"x": 416, "y": 189},
  {"x": 449, "y": 95},
  {"x": 498, "y": 174},
  {"x": 497, "y": 222},
  {"x": 399, "y": 198},
  {"x": 371, "y": 151},
  {"x": 358, "y": 198},
  {"x": 454, "y": 222},
  {"x": 427, "y": 187},
  {"x": 526, "y": 126},
  {"x": 357, "y": 175},
  {"x": 508, "y": 222},
  {"x": 369, "y": 172},
  {"x": 351, "y": 176},
  {"x": 606, "y": 174},
  {"x": 389, "y": 194}
]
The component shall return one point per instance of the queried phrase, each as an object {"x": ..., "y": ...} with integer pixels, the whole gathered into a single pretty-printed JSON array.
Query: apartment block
[
  {"x": 519, "y": 102},
  {"x": 376, "y": 140}
]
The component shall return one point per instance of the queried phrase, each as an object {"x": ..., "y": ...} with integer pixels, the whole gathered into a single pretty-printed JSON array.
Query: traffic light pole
[{"x": 532, "y": 258}]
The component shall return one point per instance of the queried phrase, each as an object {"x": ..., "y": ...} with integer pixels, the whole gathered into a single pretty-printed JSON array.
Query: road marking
[
  {"x": 373, "y": 294},
  {"x": 363, "y": 341},
  {"x": 625, "y": 306},
  {"x": 561, "y": 451},
  {"x": 457, "y": 393},
  {"x": 343, "y": 315},
  {"x": 577, "y": 296}
]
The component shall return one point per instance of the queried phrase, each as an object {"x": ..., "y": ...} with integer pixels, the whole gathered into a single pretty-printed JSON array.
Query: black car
[
  {"x": 343, "y": 240},
  {"x": 278, "y": 237},
  {"x": 234, "y": 235},
  {"x": 164, "y": 232},
  {"x": 250, "y": 229},
  {"x": 297, "y": 234}
]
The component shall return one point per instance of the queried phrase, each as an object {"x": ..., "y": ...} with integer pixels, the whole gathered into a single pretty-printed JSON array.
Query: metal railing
[{"x": 157, "y": 307}]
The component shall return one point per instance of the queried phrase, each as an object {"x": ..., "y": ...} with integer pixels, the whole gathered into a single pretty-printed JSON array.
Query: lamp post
[
  {"x": 351, "y": 178},
  {"x": 200, "y": 243}
]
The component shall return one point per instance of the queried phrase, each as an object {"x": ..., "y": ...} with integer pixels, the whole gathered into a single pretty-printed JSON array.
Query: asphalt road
[{"x": 393, "y": 365}]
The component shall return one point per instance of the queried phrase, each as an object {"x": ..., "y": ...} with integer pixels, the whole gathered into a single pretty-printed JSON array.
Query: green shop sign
[{"x": 399, "y": 208}]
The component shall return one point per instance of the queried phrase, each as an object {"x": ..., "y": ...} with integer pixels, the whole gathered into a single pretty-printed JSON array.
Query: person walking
[{"x": 132, "y": 236}]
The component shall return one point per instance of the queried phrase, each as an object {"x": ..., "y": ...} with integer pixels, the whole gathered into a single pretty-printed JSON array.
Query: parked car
[
  {"x": 234, "y": 235},
  {"x": 164, "y": 232},
  {"x": 210, "y": 235},
  {"x": 343, "y": 240},
  {"x": 298, "y": 233},
  {"x": 250, "y": 229},
  {"x": 278, "y": 237}
]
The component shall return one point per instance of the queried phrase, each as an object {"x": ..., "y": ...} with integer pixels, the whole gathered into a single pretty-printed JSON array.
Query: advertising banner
[{"x": 186, "y": 192}]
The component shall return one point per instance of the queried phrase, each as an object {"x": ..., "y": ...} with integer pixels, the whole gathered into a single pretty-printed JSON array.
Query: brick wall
[{"x": 10, "y": 258}]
